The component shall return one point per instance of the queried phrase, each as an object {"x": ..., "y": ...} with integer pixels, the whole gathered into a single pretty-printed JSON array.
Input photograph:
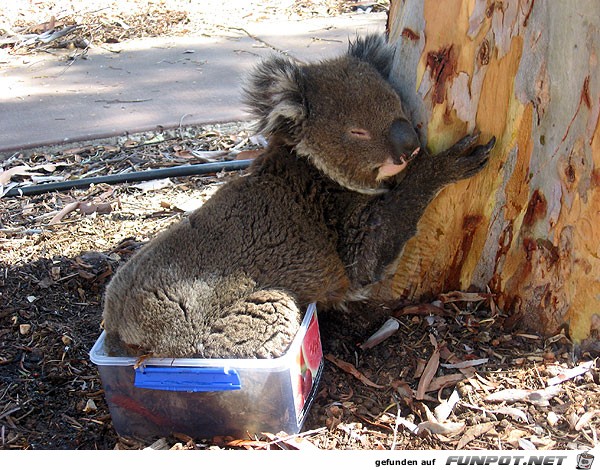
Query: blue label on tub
[{"x": 187, "y": 379}]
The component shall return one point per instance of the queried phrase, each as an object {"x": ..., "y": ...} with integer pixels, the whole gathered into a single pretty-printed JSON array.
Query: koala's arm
[{"x": 376, "y": 231}]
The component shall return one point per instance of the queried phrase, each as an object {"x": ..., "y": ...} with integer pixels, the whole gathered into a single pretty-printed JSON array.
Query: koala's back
[
  {"x": 233, "y": 279},
  {"x": 323, "y": 216}
]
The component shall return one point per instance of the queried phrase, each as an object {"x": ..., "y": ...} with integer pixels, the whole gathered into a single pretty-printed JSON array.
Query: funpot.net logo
[{"x": 505, "y": 459}]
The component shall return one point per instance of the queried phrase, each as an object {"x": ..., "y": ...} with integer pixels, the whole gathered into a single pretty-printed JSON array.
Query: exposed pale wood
[{"x": 528, "y": 227}]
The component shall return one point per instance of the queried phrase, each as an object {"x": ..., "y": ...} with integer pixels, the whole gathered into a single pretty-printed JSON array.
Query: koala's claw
[
  {"x": 464, "y": 159},
  {"x": 463, "y": 145},
  {"x": 490, "y": 145},
  {"x": 483, "y": 151}
]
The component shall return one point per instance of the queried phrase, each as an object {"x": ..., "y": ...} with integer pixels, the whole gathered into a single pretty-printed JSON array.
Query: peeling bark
[{"x": 528, "y": 227}]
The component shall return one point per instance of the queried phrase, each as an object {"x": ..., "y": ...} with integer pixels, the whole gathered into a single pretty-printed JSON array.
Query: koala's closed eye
[{"x": 359, "y": 133}]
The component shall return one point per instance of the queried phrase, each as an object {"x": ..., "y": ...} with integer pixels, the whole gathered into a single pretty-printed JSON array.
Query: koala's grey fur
[{"x": 323, "y": 215}]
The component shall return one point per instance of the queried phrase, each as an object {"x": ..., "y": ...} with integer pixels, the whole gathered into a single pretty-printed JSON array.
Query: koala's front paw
[{"x": 464, "y": 159}]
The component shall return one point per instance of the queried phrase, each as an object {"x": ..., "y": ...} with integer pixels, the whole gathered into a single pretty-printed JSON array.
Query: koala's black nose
[{"x": 404, "y": 140}]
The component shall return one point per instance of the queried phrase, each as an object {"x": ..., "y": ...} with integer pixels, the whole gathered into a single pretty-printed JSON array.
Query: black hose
[{"x": 147, "y": 175}]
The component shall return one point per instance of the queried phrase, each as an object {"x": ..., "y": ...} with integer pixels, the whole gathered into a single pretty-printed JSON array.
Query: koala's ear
[
  {"x": 374, "y": 50},
  {"x": 274, "y": 93}
]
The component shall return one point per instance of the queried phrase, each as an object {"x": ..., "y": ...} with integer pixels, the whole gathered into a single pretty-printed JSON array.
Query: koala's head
[{"x": 341, "y": 113}]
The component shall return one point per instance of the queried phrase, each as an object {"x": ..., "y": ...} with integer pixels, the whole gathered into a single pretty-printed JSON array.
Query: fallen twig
[{"x": 347, "y": 367}]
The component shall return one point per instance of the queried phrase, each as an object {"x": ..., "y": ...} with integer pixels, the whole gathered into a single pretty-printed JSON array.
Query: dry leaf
[
  {"x": 160, "y": 444},
  {"x": 152, "y": 185},
  {"x": 419, "y": 368},
  {"x": 510, "y": 411},
  {"x": 301, "y": 444},
  {"x": 209, "y": 155},
  {"x": 572, "y": 419},
  {"x": 473, "y": 433},
  {"x": 412, "y": 427},
  {"x": 552, "y": 418},
  {"x": 457, "y": 296},
  {"x": 485, "y": 384},
  {"x": 543, "y": 443},
  {"x": 528, "y": 336},
  {"x": 440, "y": 428},
  {"x": 22, "y": 170},
  {"x": 85, "y": 274},
  {"x": 585, "y": 419},
  {"x": 90, "y": 406},
  {"x": 570, "y": 373},
  {"x": 526, "y": 444},
  {"x": 386, "y": 330},
  {"x": 183, "y": 153},
  {"x": 249, "y": 154},
  {"x": 291, "y": 442},
  {"x": 87, "y": 208},
  {"x": 422, "y": 309},
  {"x": 536, "y": 397},
  {"x": 403, "y": 389},
  {"x": 157, "y": 139},
  {"x": 45, "y": 179},
  {"x": 466, "y": 367},
  {"x": 443, "y": 410},
  {"x": 189, "y": 205},
  {"x": 464, "y": 364},
  {"x": 429, "y": 372},
  {"x": 514, "y": 436},
  {"x": 444, "y": 381},
  {"x": 78, "y": 150},
  {"x": 245, "y": 443},
  {"x": 177, "y": 446},
  {"x": 349, "y": 368},
  {"x": 65, "y": 210},
  {"x": 103, "y": 208}
]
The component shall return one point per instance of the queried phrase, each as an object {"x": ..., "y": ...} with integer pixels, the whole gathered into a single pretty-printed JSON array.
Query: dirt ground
[{"x": 450, "y": 377}]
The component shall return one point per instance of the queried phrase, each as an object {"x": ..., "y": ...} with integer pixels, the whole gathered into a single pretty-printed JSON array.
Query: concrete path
[{"x": 144, "y": 84}]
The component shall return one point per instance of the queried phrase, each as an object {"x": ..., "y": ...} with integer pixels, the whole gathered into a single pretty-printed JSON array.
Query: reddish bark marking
[
  {"x": 536, "y": 209},
  {"x": 507, "y": 233},
  {"x": 526, "y": 20},
  {"x": 584, "y": 98},
  {"x": 595, "y": 179},
  {"x": 410, "y": 34},
  {"x": 570, "y": 173},
  {"x": 470, "y": 224},
  {"x": 585, "y": 93},
  {"x": 442, "y": 66},
  {"x": 483, "y": 55},
  {"x": 504, "y": 243},
  {"x": 530, "y": 246}
]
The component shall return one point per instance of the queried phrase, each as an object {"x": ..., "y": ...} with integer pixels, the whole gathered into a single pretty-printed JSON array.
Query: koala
[{"x": 322, "y": 215}]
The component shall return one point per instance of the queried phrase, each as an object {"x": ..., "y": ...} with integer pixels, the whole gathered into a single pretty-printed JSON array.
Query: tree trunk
[{"x": 528, "y": 226}]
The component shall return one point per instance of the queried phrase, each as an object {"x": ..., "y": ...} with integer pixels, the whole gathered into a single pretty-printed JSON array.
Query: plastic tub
[{"x": 203, "y": 398}]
